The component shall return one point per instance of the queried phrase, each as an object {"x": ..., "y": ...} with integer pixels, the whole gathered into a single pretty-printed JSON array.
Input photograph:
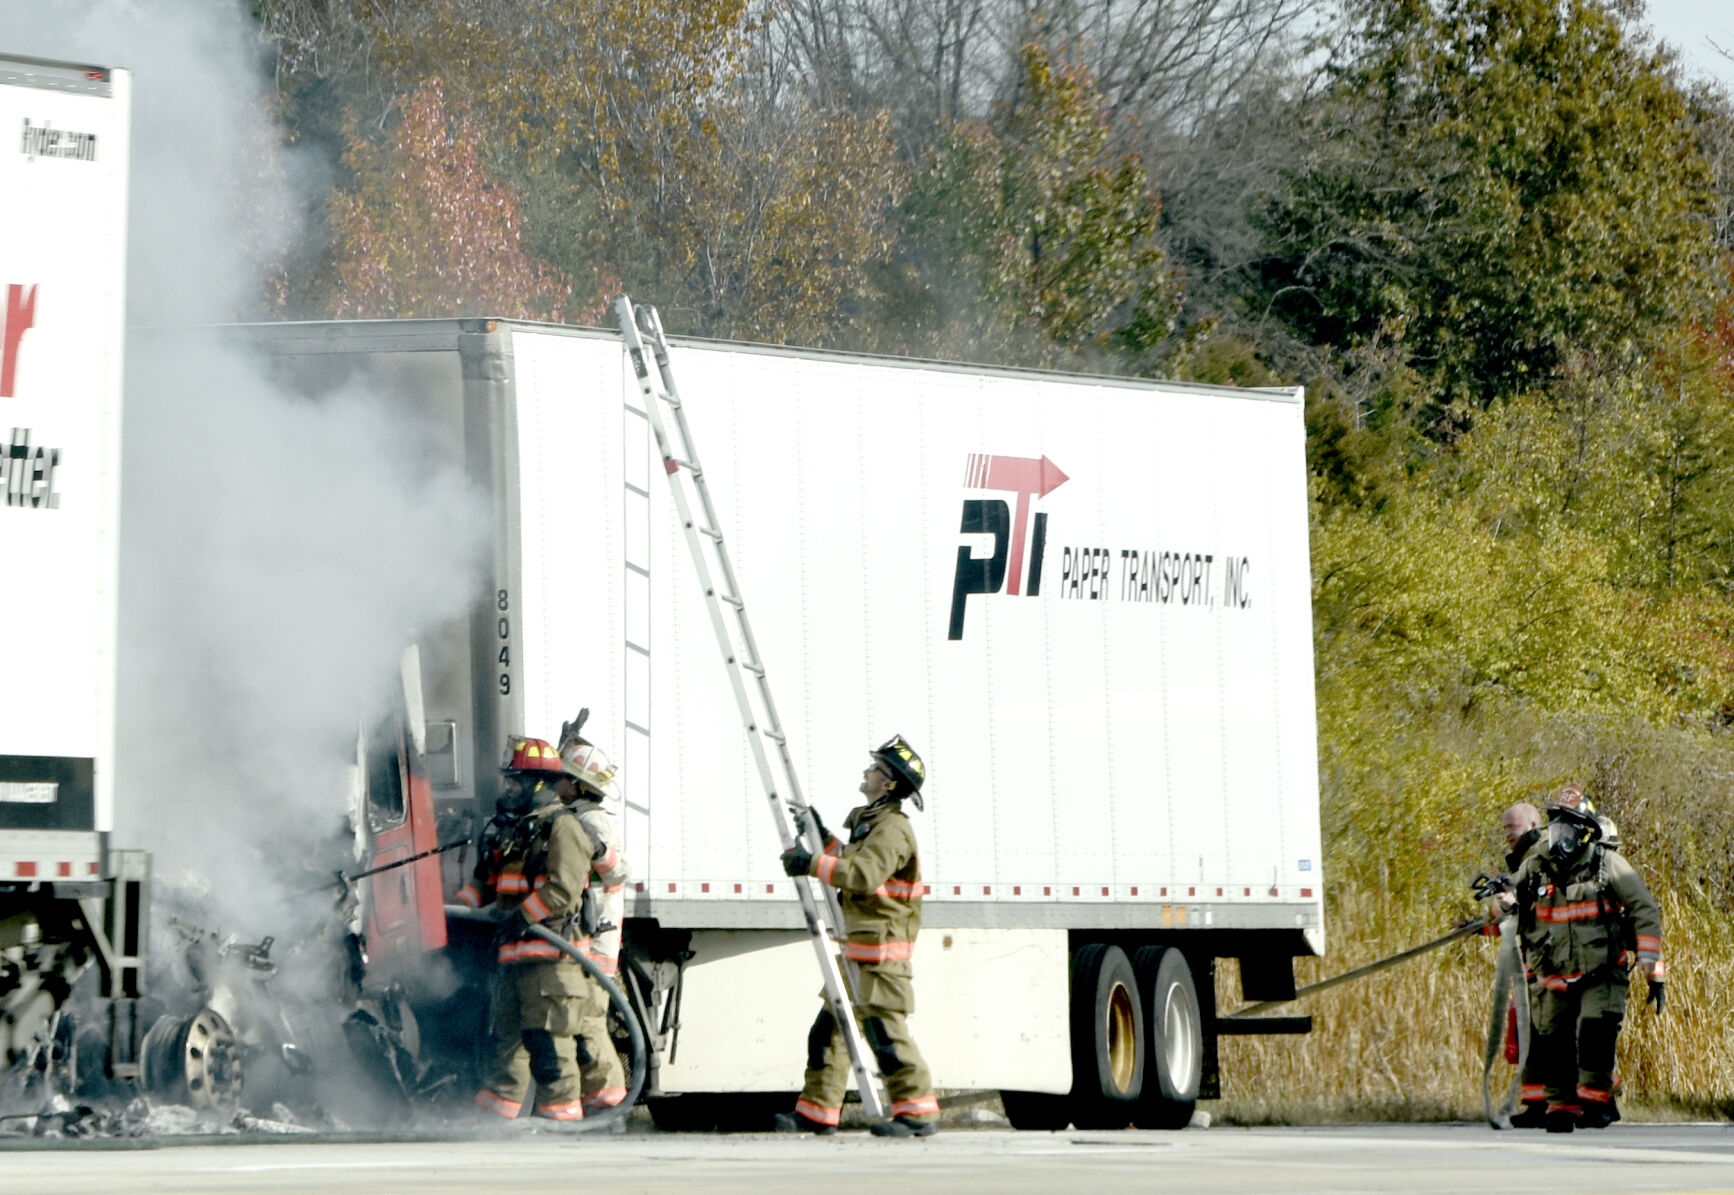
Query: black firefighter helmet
[{"x": 906, "y": 766}]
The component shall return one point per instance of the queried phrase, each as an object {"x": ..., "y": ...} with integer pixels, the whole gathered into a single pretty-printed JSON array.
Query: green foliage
[
  {"x": 1498, "y": 185},
  {"x": 1026, "y": 240}
]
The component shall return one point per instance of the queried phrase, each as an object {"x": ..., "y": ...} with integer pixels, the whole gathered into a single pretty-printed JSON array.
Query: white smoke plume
[{"x": 276, "y": 554}]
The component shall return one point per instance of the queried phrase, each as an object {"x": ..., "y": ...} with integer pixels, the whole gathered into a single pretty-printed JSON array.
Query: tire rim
[
  {"x": 1179, "y": 1037},
  {"x": 1122, "y": 1039}
]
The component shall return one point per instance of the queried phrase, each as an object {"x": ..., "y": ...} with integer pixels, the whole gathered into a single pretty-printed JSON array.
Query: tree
[
  {"x": 426, "y": 232},
  {"x": 1500, "y": 184},
  {"x": 1026, "y": 241}
]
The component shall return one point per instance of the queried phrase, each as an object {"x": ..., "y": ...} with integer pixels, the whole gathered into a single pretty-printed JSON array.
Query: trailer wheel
[
  {"x": 1036, "y": 1111},
  {"x": 1176, "y": 1036},
  {"x": 1108, "y": 1044}
]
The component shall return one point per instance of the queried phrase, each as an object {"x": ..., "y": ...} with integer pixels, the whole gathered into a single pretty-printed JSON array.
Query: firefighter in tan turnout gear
[
  {"x": 1584, "y": 915},
  {"x": 588, "y": 780},
  {"x": 877, "y": 874},
  {"x": 539, "y": 994}
]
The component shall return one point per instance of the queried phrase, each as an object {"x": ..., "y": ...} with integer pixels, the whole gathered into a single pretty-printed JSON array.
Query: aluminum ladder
[{"x": 639, "y": 327}]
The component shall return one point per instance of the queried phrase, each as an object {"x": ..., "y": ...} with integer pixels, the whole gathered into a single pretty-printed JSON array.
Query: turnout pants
[
  {"x": 888, "y": 997},
  {"x": 1571, "y": 1054},
  {"x": 604, "y": 1075},
  {"x": 538, "y": 1008}
]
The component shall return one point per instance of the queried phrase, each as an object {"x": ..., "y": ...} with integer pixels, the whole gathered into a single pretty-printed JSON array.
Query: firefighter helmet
[
  {"x": 905, "y": 766},
  {"x": 1572, "y": 823},
  {"x": 590, "y": 767},
  {"x": 530, "y": 755},
  {"x": 1570, "y": 804}
]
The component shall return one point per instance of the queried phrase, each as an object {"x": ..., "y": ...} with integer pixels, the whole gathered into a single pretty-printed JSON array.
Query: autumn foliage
[{"x": 426, "y": 232}]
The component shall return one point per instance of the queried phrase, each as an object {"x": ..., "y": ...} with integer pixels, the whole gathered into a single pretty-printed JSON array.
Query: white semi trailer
[
  {"x": 1085, "y": 601},
  {"x": 67, "y": 899}
]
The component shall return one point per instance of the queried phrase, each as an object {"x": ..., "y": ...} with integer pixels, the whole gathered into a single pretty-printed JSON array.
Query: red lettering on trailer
[{"x": 20, "y": 318}]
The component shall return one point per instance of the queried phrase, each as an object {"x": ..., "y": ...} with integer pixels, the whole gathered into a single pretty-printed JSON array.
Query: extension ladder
[{"x": 639, "y": 325}]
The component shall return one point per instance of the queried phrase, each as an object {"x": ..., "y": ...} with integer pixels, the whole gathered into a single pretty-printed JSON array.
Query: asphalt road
[{"x": 1419, "y": 1158}]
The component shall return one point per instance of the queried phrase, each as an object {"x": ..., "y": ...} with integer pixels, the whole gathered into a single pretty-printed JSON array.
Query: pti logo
[
  {"x": 1027, "y": 479},
  {"x": 20, "y": 317}
]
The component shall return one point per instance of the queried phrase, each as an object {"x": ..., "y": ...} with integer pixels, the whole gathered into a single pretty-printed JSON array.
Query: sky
[{"x": 1695, "y": 28}]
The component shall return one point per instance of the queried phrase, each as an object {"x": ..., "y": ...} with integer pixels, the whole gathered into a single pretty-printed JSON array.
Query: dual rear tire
[{"x": 1137, "y": 1045}]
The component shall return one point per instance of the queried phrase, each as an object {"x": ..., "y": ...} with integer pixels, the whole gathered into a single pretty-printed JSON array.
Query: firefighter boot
[
  {"x": 1533, "y": 1116},
  {"x": 794, "y": 1122},
  {"x": 1600, "y": 1116},
  {"x": 1561, "y": 1120},
  {"x": 904, "y": 1126}
]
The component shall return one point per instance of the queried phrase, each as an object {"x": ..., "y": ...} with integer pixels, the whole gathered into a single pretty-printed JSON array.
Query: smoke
[{"x": 276, "y": 554}]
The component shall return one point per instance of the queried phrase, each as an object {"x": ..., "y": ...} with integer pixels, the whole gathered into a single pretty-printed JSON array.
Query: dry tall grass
[{"x": 1407, "y": 1044}]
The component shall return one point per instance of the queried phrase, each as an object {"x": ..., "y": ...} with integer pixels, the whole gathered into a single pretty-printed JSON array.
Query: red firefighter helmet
[{"x": 531, "y": 755}]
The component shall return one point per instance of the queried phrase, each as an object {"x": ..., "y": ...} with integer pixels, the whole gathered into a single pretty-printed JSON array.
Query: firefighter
[
  {"x": 1523, "y": 825},
  {"x": 1584, "y": 913},
  {"x": 877, "y": 875},
  {"x": 589, "y": 779},
  {"x": 539, "y": 992}
]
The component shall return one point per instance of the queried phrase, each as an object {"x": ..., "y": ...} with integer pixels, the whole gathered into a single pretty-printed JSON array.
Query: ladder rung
[
  {"x": 732, "y": 600},
  {"x": 776, "y": 738},
  {"x": 755, "y": 669},
  {"x": 712, "y": 532},
  {"x": 672, "y": 463}
]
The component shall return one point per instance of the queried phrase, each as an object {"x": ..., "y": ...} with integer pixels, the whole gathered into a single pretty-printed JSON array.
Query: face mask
[{"x": 1565, "y": 840}]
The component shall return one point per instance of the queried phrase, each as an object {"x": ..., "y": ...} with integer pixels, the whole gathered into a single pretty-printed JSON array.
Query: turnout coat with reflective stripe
[
  {"x": 1586, "y": 919},
  {"x": 877, "y": 875},
  {"x": 609, "y": 868},
  {"x": 553, "y": 874}
]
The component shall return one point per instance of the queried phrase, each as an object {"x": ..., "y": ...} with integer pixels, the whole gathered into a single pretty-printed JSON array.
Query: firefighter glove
[
  {"x": 818, "y": 824},
  {"x": 796, "y": 861},
  {"x": 590, "y": 913},
  {"x": 1658, "y": 993}
]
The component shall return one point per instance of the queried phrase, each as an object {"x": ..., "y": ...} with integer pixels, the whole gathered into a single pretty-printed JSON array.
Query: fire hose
[{"x": 616, "y": 997}]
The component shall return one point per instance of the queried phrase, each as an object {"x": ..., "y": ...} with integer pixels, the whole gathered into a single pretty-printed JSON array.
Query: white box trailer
[
  {"x": 1085, "y": 601},
  {"x": 65, "y": 898}
]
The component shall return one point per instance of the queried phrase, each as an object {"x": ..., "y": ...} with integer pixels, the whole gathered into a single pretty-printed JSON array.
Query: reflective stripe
[
  {"x": 1646, "y": 942},
  {"x": 513, "y": 883},
  {"x": 819, "y": 1113},
  {"x": 606, "y": 1098},
  {"x": 613, "y": 888},
  {"x": 1533, "y": 1092},
  {"x": 898, "y": 890},
  {"x": 566, "y": 1110},
  {"x": 1594, "y": 1095},
  {"x": 1560, "y": 1106},
  {"x": 1558, "y": 983},
  {"x": 469, "y": 896},
  {"x": 535, "y": 908},
  {"x": 924, "y": 1105},
  {"x": 534, "y": 950},
  {"x": 878, "y": 952},
  {"x": 608, "y": 862},
  {"x": 827, "y": 867},
  {"x": 495, "y": 1102},
  {"x": 1582, "y": 911}
]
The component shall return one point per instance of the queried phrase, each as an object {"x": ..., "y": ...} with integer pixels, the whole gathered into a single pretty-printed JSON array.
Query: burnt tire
[
  {"x": 1174, "y": 1028},
  {"x": 1108, "y": 1041},
  {"x": 1037, "y": 1111}
]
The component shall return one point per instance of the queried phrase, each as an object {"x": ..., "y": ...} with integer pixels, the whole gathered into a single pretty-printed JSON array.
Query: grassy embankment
[{"x": 1407, "y": 1044}]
